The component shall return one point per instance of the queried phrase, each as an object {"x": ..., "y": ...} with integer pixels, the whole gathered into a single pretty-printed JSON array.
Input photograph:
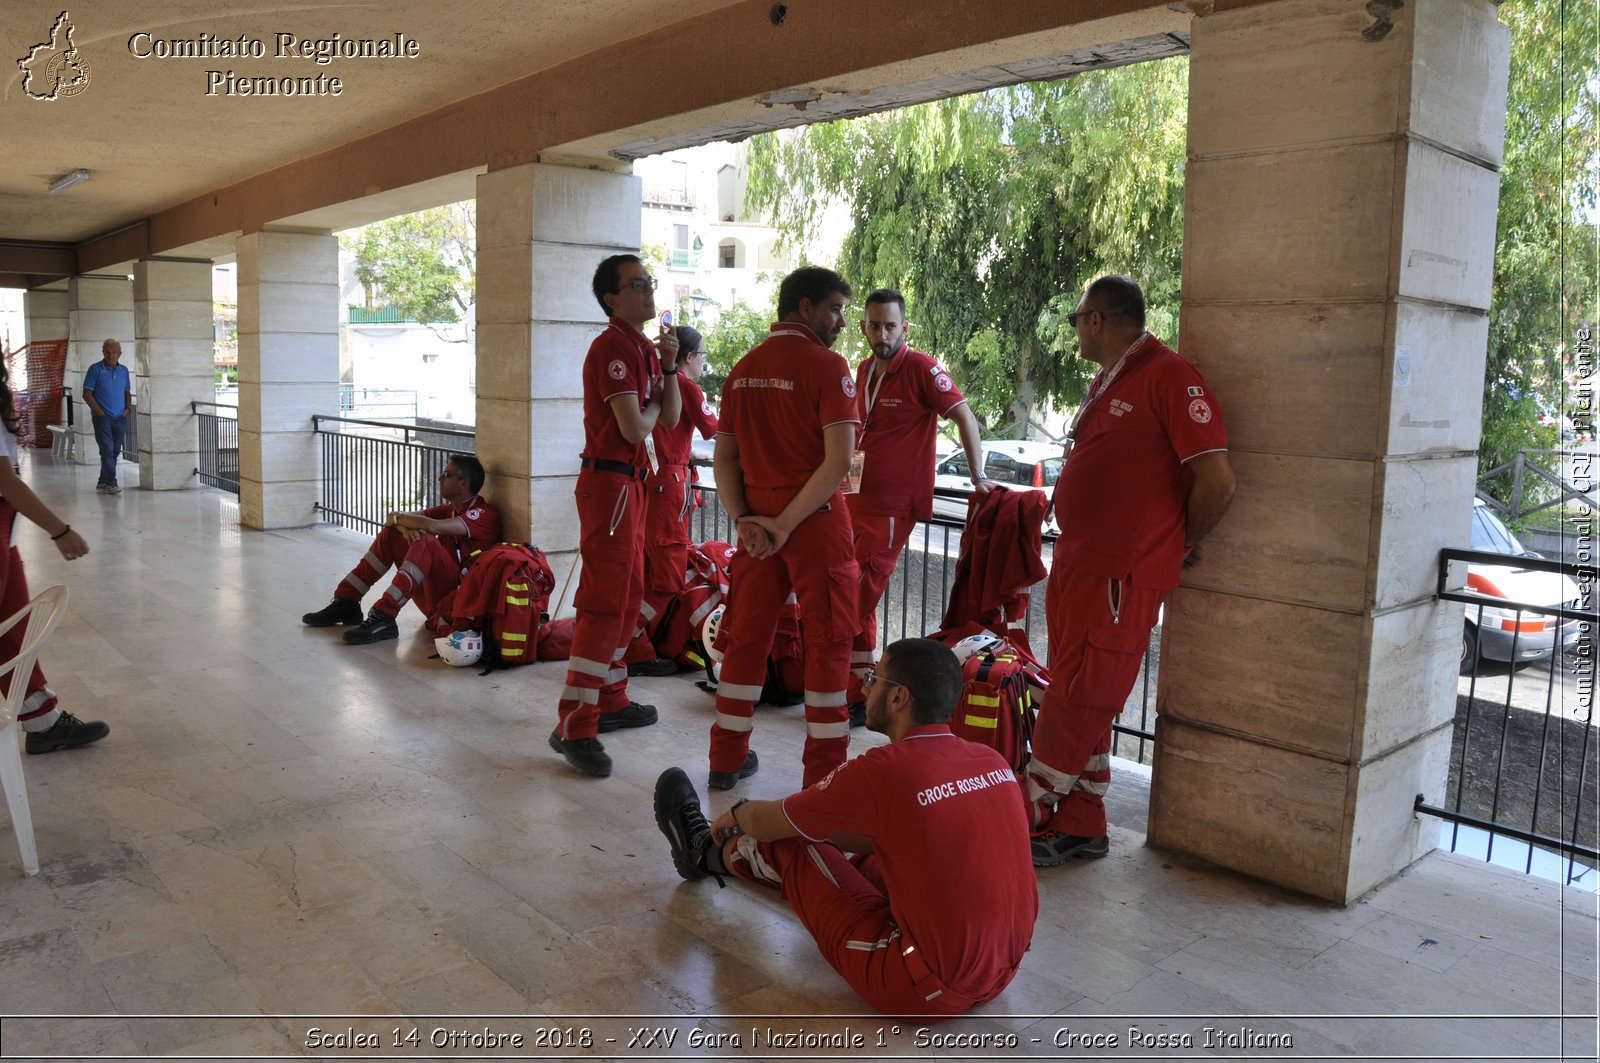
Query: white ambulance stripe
[
  {"x": 864, "y": 657},
  {"x": 617, "y": 675},
  {"x": 1059, "y": 781},
  {"x": 647, "y": 612},
  {"x": 356, "y": 581},
  {"x": 748, "y": 850},
  {"x": 822, "y": 865},
  {"x": 735, "y": 723},
  {"x": 739, "y": 691},
  {"x": 584, "y": 666},
  {"x": 825, "y": 699},
  {"x": 698, "y": 617},
  {"x": 1098, "y": 762},
  {"x": 869, "y": 946},
  {"x": 828, "y": 730},
  {"x": 1098, "y": 788},
  {"x": 413, "y": 571},
  {"x": 580, "y": 694}
]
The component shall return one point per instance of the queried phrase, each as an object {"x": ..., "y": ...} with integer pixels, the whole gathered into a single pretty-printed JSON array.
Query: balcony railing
[
  {"x": 218, "y": 428},
  {"x": 372, "y": 468}
]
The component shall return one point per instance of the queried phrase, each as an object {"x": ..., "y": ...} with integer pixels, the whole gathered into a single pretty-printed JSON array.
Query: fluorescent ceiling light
[{"x": 66, "y": 181}]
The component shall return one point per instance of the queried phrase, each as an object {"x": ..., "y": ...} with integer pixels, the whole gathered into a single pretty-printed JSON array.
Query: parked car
[
  {"x": 1536, "y": 634},
  {"x": 1016, "y": 463}
]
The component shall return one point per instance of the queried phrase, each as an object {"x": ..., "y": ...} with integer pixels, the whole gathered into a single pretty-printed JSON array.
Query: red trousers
[
  {"x": 878, "y": 542},
  {"x": 611, "y": 543},
  {"x": 13, "y": 596},
  {"x": 842, "y": 902},
  {"x": 1099, "y": 629},
  {"x": 666, "y": 547},
  {"x": 817, "y": 565},
  {"x": 425, "y": 569}
]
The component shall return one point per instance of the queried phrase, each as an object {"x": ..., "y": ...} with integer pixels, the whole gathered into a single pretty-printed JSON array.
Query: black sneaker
[
  {"x": 1051, "y": 847},
  {"x": 858, "y": 714},
  {"x": 635, "y": 715},
  {"x": 585, "y": 754},
  {"x": 727, "y": 780},
  {"x": 68, "y": 732},
  {"x": 679, "y": 816},
  {"x": 375, "y": 628},
  {"x": 339, "y": 611},
  {"x": 656, "y": 666}
]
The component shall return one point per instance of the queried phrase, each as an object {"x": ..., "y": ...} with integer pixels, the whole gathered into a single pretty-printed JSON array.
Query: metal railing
[
  {"x": 1523, "y": 772},
  {"x": 914, "y": 604},
  {"x": 218, "y": 429},
  {"x": 1533, "y": 486},
  {"x": 384, "y": 467}
]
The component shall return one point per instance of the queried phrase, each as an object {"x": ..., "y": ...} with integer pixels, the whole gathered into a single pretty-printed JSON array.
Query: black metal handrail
[
  {"x": 410, "y": 433},
  {"x": 217, "y": 428}
]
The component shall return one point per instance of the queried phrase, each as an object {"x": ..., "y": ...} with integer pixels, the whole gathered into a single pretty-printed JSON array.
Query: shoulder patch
[
  {"x": 943, "y": 382},
  {"x": 705, "y": 407},
  {"x": 473, "y": 514},
  {"x": 616, "y": 370},
  {"x": 1195, "y": 393},
  {"x": 1200, "y": 411},
  {"x": 849, "y": 386}
]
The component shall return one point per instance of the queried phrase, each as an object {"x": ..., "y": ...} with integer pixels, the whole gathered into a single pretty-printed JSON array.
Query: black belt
[{"x": 607, "y": 465}]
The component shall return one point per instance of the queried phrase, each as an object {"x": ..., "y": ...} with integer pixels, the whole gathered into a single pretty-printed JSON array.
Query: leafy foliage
[
  {"x": 991, "y": 211},
  {"x": 1544, "y": 270},
  {"x": 729, "y": 333},
  {"x": 423, "y": 264}
]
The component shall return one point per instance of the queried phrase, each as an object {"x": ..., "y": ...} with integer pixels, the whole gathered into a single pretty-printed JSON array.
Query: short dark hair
[
  {"x": 888, "y": 295},
  {"x": 608, "y": 277},
  {"x": 930, "y": 673},
  {"x": 809, "y": 282},
  {"x": 472, "y": 467},
  {"x": 689, "y": 341},
  {"x": 1116, "y": 295}
]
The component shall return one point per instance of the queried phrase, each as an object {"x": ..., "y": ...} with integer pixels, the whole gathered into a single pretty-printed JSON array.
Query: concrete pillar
[
  {"x": 99, "y": 307},
  {"x": 542, "y": 230},
  {"x": 172, "y": 324},
  {"x": 1338, "y": 245},
  {"x": 288, "y": 370},
  {"x": 45, "y": 311}
]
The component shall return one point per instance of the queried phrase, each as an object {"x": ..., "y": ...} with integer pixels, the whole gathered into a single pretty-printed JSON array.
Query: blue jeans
[{"x": 108, "y": 433}]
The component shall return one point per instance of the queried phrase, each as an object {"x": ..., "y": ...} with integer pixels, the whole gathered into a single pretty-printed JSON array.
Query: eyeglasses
[
  {"x": 451, "y": 474},
  {"x": 872, "y": 677},
  {"x": 639, "y": 284},
  {"x": 1072, "y": 318}
]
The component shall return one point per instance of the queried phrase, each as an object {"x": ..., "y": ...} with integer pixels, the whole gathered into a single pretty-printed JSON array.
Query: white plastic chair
[{"x": 42, "y": 615}]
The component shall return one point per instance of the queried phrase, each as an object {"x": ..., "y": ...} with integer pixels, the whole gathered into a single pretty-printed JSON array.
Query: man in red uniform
[
  {"x": 902, "y": 393},
  {"x": 669, "y": 491},
  {"x": 1146, "y": 477},
  {"x": 628, "y": 388},
  {"x": 783, "y": 449},
  {"x": 932, "y": 915},
  {"x": 428, "y": 549}
]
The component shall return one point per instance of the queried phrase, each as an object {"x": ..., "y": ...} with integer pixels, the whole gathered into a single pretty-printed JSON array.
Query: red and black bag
[
  {"x": 504, "y": 594},
  {"x": 1002, "y": 686}
]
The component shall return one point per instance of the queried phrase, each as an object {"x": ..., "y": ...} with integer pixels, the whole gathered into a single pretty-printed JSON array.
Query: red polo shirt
[
  {"x": 777, "y": 401},
  {"x": 673, "y": 444},
  {"x": 946, "y": 821},
  {"x": 1121, "y": 496},
  {"x": 621, "y": 361},
  {"x": 482, "y": 521},
  {"x": 900, "y": 411}
]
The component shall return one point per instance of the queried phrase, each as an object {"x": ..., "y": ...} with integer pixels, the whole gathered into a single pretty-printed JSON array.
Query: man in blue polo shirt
[{"x": 107, "y": 390}]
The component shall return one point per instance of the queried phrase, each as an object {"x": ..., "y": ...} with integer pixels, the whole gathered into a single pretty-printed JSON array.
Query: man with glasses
[
  {"x": 630, "y": 385},
  {"x": 428, "y": 549},
  {"x": 1146, "y": 477},
  {"x": 902, "y": 393},
  {"x": 932, "y": 913},
  {"x": 783, "y": 447}
]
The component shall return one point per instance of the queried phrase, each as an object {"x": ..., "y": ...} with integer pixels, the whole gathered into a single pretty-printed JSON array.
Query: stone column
[
  {"x": 542, "y": 230},
  {"x": 99, "y": 307},
  {"x": 45, "y": 310},
  {"x": 172, "y": 324},
  {"x": 1338, "y": 248},
  {"x": 288, "y": 370}
]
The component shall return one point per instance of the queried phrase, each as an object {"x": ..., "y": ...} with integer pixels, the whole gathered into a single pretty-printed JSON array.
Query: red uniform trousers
[
  {"x": 842, "y": 902},
  {"x": 1099, "y": 628},
  {"x": 13, "y": 596},
  {"x": 611, "y": 543},
  {"x": 816, "y": 564},
  {"x": 425, "y": 569},
  {"x": 666, "y": 547},
  {"x": 878, "y": 542}
]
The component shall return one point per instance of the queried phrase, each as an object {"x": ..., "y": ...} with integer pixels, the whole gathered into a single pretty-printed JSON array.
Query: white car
[
  {"x": 1536, "y": 635},
  {"x": 1017, "y": 463}
]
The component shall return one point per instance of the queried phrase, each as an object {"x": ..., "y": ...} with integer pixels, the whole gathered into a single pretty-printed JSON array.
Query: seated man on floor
[
  {"x": 429, "y": 549},
  {"x": 931, "y": 915}
]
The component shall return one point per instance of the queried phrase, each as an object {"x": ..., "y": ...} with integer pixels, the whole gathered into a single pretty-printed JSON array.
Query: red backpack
[
  {"x": 504, "y": 595},
  {"x": 1002, "y": 686}
]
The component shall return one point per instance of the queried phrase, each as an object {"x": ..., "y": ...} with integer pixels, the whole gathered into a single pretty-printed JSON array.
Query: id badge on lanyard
[
  {"x": 650, "y": 454},
  {"x": 851, "y": 485}
]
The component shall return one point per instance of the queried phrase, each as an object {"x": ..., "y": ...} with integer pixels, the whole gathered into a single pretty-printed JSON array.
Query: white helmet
[
  {"x": 460, "y": 648},
  {"x": 972, "y": 645},
  {"x": 708, "y": 632}
]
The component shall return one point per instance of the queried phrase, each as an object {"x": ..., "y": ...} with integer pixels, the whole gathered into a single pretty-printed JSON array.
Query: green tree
[
  {"x": 422, "y": 264},
  {"x": 729, "y": 333},
  {"x": 1544, "y": 266},
  {"x": 991, "y": 211}
]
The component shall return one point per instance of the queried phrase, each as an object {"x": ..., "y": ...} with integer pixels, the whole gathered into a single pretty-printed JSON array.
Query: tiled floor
[{"x": 280, "y": 824}]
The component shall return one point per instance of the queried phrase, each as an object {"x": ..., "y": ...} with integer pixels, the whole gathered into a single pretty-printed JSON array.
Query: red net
[{"x": 36, "y": 371}]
